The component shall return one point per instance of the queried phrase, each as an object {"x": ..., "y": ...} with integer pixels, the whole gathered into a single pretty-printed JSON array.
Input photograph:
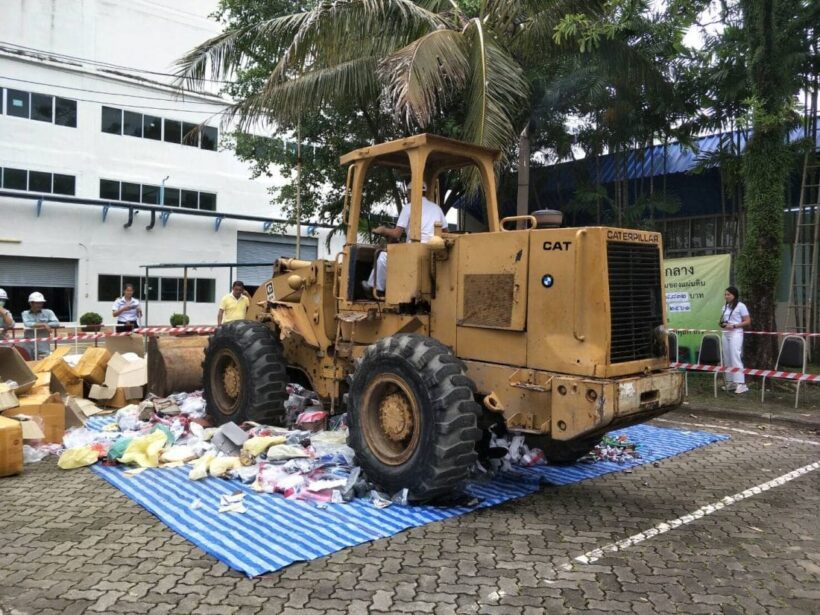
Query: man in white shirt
[{"x": 430, "y": 214}]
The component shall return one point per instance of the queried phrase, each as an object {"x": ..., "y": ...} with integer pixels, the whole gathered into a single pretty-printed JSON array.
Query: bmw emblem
[{"x": 547, "y": 281}]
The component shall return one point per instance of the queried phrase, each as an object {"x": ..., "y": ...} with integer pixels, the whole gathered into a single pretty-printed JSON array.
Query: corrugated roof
[{"x": 679, "y": 158}]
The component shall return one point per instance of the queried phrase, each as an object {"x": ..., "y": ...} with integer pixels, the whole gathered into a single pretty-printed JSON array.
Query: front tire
[
  {"x": 413, "y": 418},
  {"x": 245, "y": 374}
]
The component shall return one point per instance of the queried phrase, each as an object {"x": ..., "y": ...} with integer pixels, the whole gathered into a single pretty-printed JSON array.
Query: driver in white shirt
[{"x": 430, "y": 214}]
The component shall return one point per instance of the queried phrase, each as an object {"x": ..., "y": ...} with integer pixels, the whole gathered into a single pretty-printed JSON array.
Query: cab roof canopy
[{"x": 444, "y": 153}]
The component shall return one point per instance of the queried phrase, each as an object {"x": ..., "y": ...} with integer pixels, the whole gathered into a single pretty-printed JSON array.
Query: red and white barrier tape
[
  {"x": 769, "y": 373},
  {"x": 94, "y": 336},
  {"x": 746, "y": 332}
]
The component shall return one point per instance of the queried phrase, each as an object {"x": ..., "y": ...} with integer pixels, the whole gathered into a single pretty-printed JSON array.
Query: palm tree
[{"x": 418, "y": 57}]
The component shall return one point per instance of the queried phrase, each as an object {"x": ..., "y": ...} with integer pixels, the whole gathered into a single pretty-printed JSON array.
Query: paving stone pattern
[{"x": 70, "y": 543}]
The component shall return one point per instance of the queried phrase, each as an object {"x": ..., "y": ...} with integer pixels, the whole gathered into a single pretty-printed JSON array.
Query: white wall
[
  {"x": 148, "y": 34},
  {"x": 144, "y": 34}
]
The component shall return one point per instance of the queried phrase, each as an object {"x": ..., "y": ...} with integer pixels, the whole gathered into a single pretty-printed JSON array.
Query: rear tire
[
  {"x": 413, "y": 418},
  {"x": 245, "y": 374}
]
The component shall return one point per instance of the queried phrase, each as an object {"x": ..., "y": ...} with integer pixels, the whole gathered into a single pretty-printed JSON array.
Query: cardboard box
[
  {"x": 92, "y": 365},
  {"x": 70, "y": 381},
  {"x": 116, "y": 397},
  {"x": 47, "y": 364},
  {"x": 13, "y": 367},
  {"x": 8, "y": 400},
  {"x": 126, "y": 371},
  {"x": 126, "y": 343},
  {"x": 11, "y": 447},
  {"x": 49, "y": 408},
  {"x": 31, "y": 429},
  {"x": 84, "y": 407}
]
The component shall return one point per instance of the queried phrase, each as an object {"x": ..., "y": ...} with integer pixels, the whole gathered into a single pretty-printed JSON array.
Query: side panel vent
[{"x": 488, "y": 299}]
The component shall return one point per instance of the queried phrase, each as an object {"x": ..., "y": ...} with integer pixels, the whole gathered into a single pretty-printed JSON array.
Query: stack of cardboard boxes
[{"x": 58, "y": 392}]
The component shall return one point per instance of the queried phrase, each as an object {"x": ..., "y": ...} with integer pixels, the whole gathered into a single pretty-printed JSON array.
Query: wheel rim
[
  {"x": 226, "y": 376},
  {"x": 391, "y": 420}
]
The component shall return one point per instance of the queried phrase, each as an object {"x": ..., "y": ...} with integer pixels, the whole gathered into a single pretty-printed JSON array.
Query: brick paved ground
[{"x": 70, "y": 543}]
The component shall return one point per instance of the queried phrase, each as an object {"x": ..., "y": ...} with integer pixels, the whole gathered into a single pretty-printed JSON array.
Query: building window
[
  {"x": 112, "y": 120},
  {"x": 131, "y": 192},
  {"x": 64, "y": 184},
  {"x": 121, "y": 122},
  {"x": 173, "y": 131},
  {"x": 65, "y": 112},
  {"x": 41, "y": 107},
  {"x": 190, "y": 134},
  {"x": 205, "y": 290},
  {"x": 111, "y": 190},
  {"x": 210, "y": 136},
  {"x": 38, "y": 181},
  {"x": 109, "y": 287},
  {"x": 17, "y": 103},
  {"x": 190, "y": 199},
  {"x": 207, "y": 201},
  {"x": 15, "y": 179},
  {"x": 150, "y": 195},
  {"x": 132, "y": 124},
  {"x": 152, "y": 127},
  {"x": 171, "y": 197}
]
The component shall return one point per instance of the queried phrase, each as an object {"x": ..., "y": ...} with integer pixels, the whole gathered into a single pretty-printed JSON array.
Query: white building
[{"x": 85, "y": 111}]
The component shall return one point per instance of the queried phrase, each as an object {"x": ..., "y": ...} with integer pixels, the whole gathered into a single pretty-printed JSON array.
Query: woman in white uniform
[{"x": 734, "y": 318}]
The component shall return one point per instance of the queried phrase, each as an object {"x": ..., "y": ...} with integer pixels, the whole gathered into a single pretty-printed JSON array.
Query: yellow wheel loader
[{"x": 557, "y": 332}]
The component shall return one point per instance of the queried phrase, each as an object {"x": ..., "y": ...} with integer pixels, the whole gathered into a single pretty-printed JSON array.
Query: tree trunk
[{"x": 523, "y": 202}]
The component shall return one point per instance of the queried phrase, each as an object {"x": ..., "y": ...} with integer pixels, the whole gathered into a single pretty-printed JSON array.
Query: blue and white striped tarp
[{"x": 276, "y": 532}]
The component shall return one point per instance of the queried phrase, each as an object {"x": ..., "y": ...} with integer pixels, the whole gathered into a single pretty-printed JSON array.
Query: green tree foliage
[{"x": 775, "y": 32}]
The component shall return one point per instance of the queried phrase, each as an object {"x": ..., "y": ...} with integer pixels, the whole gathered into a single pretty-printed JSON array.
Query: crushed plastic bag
[
  {"x": 222, "y": 465},
  {"x": 145, "y": 450},
  {"x": 179, "y": 453},
  {"x": 32, "y": 454},
  {"x": 259, "y": 444},
  {"x": 75, "y": 438},
  {"x": 193, "y": 406},
  {"x": 331, "y": 453},
  {"x": 286, "y": 451},
  {"x": 200, "y": 469},
  {"x": 78, "y": 457},
  {"x": 118, "y": 448},
  {"x": 128, "y": 418}
]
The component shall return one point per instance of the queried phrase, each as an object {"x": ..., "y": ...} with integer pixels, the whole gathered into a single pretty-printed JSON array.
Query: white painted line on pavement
[
  {"x": 667, "y": 526},
  {"x": 743, "y": 431}
]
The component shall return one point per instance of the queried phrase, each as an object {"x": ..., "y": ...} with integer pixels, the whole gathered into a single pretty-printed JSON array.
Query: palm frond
[
  {"x": 497, "y": 94},
  {"x": 425, "y": 75},
  {"x": 285, "y": 101}
]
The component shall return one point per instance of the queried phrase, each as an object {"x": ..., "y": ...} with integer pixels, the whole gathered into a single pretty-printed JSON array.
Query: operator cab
[{"x": 421, "y": 159}]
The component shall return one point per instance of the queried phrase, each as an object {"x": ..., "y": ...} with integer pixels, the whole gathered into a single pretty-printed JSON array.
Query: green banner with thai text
[{"x": 694, "y": 294}]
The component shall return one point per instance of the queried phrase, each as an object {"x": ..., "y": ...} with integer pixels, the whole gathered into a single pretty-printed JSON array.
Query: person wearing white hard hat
[
  {"x": 6, "y": 319},
  {"x": 37, "y": 322},
  {"x": 430, "y": 214}
]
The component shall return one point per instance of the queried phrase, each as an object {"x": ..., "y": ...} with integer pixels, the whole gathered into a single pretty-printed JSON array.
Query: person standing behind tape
[
  {"x": 234, "y": 305},
  {"x": 733, "y": 319},
  {"x": 6, "y": 319},
  {"x": 37, "y": 322},
  {"x": 127, "y": 310}
]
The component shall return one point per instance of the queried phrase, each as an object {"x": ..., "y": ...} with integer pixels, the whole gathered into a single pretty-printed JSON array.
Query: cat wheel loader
[{"x": 559, "y": 333}]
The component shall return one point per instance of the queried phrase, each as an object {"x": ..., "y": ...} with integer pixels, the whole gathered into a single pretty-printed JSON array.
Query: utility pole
[{"x": 299, "y": 189}]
